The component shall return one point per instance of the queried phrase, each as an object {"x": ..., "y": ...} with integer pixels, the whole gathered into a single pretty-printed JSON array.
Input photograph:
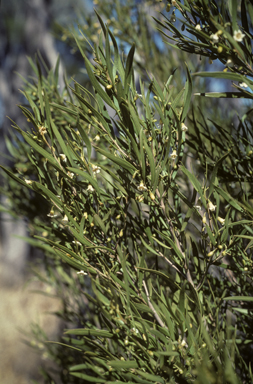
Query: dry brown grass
[{"x": 19, "y": 307}]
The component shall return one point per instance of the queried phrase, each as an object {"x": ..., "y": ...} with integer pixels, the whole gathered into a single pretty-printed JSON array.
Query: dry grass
[{"x": 19, "y": 307}]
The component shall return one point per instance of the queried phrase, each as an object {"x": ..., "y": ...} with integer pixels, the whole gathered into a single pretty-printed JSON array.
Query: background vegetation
[{"x": 135, "y": 180}]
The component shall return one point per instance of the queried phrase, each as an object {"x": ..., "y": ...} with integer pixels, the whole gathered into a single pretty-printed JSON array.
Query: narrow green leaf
[
  {"x": 243, "y": 311},
  {"x": 39, "y": 92},
  {"x": 89, "y": 332},
  {"x": 128, "y": 382},
  {"x": 167, "y": 353},
  {"x": 129, "y": 70},
  {"x": 151, "y": 161},
  {"x": 119, "y": 364},
  {"x": 37, "y": 187},
  {"x": 35, "y": 69},
  {"x": 57, "y": 246},
  {"x": 77, "y": 367},
  {"x": 210, "y": 234},
  {"x": 42, "y": 151},
  {"x": 228, "y": 198},
  {"x": 108, "y": 57},
  {"x": 224, "y": 75},
  {"x": 56, "y": 71},
  {"x": 48, "y": 117},
  {"x": 69, "y": 111},
  {"x": 95, "y": 83},
  {"x": 187, "y": 95},
  {"x": 64, "y": 345},
  {"x": 233, "y": 4},
  {"x": 86, "y": 176},
  {"x": 100, "y": 223},
  {"x": 194, "y": 182},
  {"x": 226, "y": 95},
  {"x": 69, "y": 260},
  {"x": 151, "y": 249},
  {"x": 117, "y": 60},
  {"x": 60, "y": 140},
  {"x": 215, "y": 170},
  {"x": 14, "y": 177},
  {"x": 153, "y": 378},
  {"x": 171, "y": 243},
  {"x": 142, "y": 156},
  {"x": 101, "y": 22},
  {"x": 238, "y": 298},
  {"x": 90, "y": 379},
  {"x": 117, "y": 160},
  {"x": 80, "y": 237}
]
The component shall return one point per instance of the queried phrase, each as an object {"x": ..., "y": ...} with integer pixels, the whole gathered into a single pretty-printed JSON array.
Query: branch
[
  {"x": 162, "y": 206},
  {"x": 159, "y": 320}
]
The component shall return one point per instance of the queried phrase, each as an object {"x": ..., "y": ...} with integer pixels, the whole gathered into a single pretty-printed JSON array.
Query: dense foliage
[{"x": 137, "y": 186}]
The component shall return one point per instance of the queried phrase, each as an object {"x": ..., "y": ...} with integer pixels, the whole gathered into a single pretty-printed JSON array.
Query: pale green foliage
[{"x": 139, "y": 203}]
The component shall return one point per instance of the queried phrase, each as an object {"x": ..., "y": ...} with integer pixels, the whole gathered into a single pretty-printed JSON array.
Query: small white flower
[
  {"x": 95, "y": 168},
  {"x": 183, "y": 343},
  {"x": 243, "y": 85},
  {"x": 174, "y": 3},
  {"x": 229, "y": 62},
  {"x": 173, "y": 154},
  {"x": 198, "y": 27},
  {"x": 42, "y": 130},
  {"x": 81, "y": 273},
  {"x": 90, "y": 188},
  {"x": 142, "y": 187},
  {"x": 210, "y": 206},
  {"x": 199, "y": 204},
  {"x": 184, "y": 127},
  {"x": 65, "y": 219},
  {"x": 97, "y": 138},
  {"x": 28, "y": 181},
  {"x": 63, "y": 157},
  {"x": 221, "y": 220},
  {"x": 135, "y": 330},
  {"x": 238, "y": 35},
  {"x": 71, "y": 174},
  {"x": 76, "y": 242},
  {"x": 51, "y": 213},
  {"x": 215, "y": 37}
]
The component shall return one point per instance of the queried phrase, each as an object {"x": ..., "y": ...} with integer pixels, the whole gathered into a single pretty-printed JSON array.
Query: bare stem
[
  {"x": 162, "y": 206},
  {"x": 159, "y": 320}
]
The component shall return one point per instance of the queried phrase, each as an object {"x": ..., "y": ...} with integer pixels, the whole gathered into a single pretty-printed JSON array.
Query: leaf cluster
[{"x": 146, "y": 219}]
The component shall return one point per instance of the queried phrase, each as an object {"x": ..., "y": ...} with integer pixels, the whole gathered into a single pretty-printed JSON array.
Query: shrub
[{"x": 146, "y": 219}]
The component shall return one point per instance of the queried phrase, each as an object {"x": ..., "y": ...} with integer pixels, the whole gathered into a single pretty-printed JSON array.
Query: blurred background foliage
[{"x": 187, "y": 329}]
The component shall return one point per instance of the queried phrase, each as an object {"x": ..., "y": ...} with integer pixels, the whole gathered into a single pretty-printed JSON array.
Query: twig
[
  {"x": 171, "y": 264},
  {"x": 188, "y": 274},
  {"x": 159, "y": 320}
]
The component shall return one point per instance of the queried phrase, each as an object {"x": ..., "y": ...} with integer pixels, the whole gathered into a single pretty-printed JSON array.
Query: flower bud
[
  {"x": 210, "y": 254},
  {"x": 152, "y": 196},
  {"x": 221, "y": 220}
]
